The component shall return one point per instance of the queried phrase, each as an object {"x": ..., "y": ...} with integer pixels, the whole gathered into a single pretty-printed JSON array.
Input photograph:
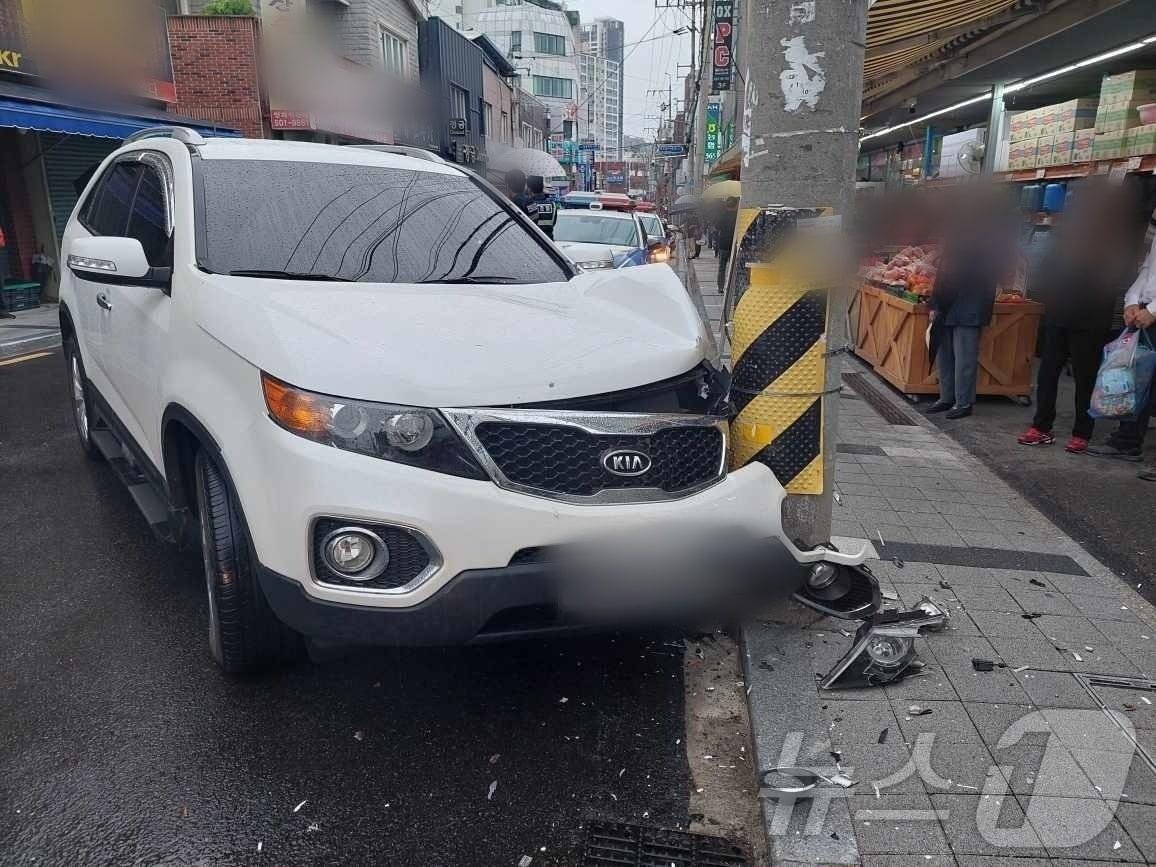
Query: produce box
[
  {"x": 1109, "y": 145},
  {"x": 1075, "y": 114},
  {"x": 1083, "y": 145},
  {"x": 1045, "y": 147},
  {"x": 1023, "y": 126},
  {"x": 1118, "y": 117},
  {"x": 1140, "y": 141},
  {"x": 1064, "y": 145},
  {"x": 1138, "y": 86},
  {"x": 1022, "y": 155}
]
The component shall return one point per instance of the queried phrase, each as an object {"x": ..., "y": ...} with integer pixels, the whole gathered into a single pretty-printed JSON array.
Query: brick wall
[{"x": 215, "y": 67}]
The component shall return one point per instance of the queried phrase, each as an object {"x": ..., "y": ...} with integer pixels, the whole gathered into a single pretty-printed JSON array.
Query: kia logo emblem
[{"x": 626, "y": 462}]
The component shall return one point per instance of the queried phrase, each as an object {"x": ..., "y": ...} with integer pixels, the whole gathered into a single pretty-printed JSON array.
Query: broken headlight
[{"x": 884, "y": 647}]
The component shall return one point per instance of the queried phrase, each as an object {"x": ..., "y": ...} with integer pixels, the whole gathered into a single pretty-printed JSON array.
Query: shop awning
[{"x": 42, "y": 116}]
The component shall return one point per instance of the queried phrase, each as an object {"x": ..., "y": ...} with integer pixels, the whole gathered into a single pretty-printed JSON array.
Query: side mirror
[{"x": 115, "y": 260}]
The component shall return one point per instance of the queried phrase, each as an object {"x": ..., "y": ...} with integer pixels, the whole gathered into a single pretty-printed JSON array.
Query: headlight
[
  {"x": 409, "y": 435},
  {"x": 597, "y": 265}
]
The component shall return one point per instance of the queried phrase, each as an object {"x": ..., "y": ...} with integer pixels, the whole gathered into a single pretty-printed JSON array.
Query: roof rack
[
  {"x": 401, "y": 150},
  {"x": 182, "y": 134}
]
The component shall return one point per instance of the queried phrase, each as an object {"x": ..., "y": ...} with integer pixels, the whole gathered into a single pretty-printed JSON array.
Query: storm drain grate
[
  {"x": 1093, "y": 683},
  {"x": 877, "y": 400},
  {"x": 611, "y": 844}
]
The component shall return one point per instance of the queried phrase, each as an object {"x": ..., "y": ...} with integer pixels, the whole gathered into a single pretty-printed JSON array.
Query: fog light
[
  {"x": 822, "y": 575},
  {"x": 888, "y": 650},
  {"x": 356, "y": 554}
]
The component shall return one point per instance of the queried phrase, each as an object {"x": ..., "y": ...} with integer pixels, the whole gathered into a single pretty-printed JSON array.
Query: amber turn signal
[{"x": 299, "y": 411}]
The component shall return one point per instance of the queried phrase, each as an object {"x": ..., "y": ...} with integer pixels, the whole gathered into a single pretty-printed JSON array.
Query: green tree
[{"x": 228, "y": 7}]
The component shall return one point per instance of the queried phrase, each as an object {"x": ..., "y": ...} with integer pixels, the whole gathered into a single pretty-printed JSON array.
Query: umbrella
[
  {"x": 684, "y": 203},
  {"x": 529, "y": 161},
  {"x": 723, "y": 190}
]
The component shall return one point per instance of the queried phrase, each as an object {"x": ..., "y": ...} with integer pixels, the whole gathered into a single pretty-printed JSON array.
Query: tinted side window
[
  {"x": 147, "y": 222},
  {"x": 108, "y": 214}
]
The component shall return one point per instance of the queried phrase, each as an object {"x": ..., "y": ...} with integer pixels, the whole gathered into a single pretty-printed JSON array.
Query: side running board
[{"x": 151, "y": 504}]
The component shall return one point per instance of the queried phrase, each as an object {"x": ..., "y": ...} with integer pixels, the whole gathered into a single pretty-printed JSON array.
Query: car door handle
[{"x": 102, "y": 301}]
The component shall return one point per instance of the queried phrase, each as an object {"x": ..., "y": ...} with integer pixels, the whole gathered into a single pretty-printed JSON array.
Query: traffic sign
[{"x": 671, "y": 150}]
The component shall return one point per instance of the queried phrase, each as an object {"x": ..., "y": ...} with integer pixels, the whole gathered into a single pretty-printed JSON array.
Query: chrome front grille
[{"x": 563, "y": 455}]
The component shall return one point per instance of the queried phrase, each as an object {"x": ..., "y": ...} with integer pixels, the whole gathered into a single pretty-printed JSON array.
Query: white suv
[{"x": 377, "y": 397}]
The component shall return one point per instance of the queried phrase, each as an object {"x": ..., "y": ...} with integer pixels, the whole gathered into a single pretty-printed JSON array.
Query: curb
[
  {"x": 783, "y": 708},
  {"x": 25, "y": 345}
]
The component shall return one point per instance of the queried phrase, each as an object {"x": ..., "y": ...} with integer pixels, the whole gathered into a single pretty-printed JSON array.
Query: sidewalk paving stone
[
  {"x": 1061, "y": 777},
  {"x": 948, "y": 722},
  {"x": 998, "y": 686},
  {"x": 1054, "y": 689},
  {"x": 952, "y": 520},
  {"x": 1139, "y": 821},
  {"x": 962, "y": 824},
  {"x": 881, "y": 829},
  {"x": 1070, "y": 818}
]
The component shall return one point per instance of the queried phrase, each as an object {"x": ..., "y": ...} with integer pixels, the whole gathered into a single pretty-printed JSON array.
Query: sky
[{"x": 645, "y": 68}]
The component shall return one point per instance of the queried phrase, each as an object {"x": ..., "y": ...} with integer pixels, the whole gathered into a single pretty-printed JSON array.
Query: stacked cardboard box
[
  {"x": 1084, "y": 145},
  {"x": 1120, "y": 97},
  {"x": 1140, "y": 141},
  {"x": 1047, "y": 136},
  {"x": 1022, "y": 155},
  {"x": 1109, "y": 145}
]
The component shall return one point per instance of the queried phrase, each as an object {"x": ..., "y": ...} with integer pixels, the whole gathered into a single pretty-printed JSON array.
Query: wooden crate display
[{"x": 892, "y": 339}]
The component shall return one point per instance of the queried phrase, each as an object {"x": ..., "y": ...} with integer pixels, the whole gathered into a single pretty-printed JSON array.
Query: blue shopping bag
[{"x": 1125, "y": 378}]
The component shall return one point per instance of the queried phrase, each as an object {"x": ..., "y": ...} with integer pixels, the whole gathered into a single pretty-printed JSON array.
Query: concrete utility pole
[{"x": 804, "y": 81}]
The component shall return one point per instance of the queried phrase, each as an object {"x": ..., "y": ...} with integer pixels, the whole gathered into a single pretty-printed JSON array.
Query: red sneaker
[
  {"x": 1033, "y": 437},
  {"x": 1076, "y": 445}
]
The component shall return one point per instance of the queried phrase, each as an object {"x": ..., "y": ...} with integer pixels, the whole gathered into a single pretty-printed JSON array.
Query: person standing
[
  {"x": 516, "y": 188},
  {"x": 694, "y": 234},
  {"x": 725, "y": 226},
  {"x": 1127, "y": 441},
  {"x": 541, "y": 207},
  {"x": 976, "y": 255},
  {"x": 1079, "y": 280}
]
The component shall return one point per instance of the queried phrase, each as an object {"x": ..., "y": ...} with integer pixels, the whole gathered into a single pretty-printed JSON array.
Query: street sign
[
  {"x": 457, "y": 126},
  {"x": 721, "y": 58},
  {"x": 588, "y": 146},
  {"x": 713, "y": 118},
  {"x": 671, "y": 150}
]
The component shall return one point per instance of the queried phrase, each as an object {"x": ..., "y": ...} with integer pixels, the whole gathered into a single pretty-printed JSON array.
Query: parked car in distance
[
  {"x": 657, "y": 230},
  {"x": 615, "y": 232},
  {"x": 380, "y": 402}
]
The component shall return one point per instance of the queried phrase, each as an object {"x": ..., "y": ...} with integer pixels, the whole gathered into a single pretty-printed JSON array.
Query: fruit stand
[{"x": 893, "y": 318}]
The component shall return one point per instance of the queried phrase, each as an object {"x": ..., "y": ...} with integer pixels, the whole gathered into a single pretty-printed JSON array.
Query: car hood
[{"x": 460, "y": 345}]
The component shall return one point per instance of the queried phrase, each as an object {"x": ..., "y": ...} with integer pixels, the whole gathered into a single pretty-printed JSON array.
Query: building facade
[
  {"x": 605, "y": 38},
  {"x": 538, "y": 38},
  {"x": 600, "y": 88},
  {"x": 452, "y": 78}
]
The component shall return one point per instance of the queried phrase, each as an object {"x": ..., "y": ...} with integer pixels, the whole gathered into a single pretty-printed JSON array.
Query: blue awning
[{"x": 78, "y": 121}]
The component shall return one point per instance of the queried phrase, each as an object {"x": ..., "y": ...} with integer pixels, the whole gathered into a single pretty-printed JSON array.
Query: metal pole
[
  {"x": 804, "y": 82},
  {"x": 995, "y": 124}
]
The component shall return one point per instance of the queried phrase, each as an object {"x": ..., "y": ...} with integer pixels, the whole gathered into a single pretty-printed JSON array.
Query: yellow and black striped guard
[{"x": 778, "y": 349}]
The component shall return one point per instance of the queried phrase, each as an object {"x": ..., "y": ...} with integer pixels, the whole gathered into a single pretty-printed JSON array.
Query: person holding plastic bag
[
  {"x": 1090, "y": 259},
  {"x": 1140, "y": 313}
]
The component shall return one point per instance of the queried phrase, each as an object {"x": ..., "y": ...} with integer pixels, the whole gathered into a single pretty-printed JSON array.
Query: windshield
[
  {"x": 653, "y": 226},
  {"x": 590, "y": 227},
  {"x": 359, "y": 223}
]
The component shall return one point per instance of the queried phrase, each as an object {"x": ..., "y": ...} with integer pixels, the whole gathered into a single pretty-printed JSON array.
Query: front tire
[
  {"x": 244, "y": 633},
  {"x": 82, "y": 415}
]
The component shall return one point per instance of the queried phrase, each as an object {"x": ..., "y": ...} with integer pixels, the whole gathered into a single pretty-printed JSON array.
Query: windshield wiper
[
  {"x": 472, "y": 280},
  {"x": 285, "y": 275}
]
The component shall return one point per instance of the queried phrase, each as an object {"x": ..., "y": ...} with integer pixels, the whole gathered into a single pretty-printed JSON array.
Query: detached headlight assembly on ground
[
  {"x": 410, "y": 435},
  {"x": 884, "y": 647}
]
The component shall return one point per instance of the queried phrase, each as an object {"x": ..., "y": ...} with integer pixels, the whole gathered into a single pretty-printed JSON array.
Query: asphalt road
[{"x": 121, "y": 742}]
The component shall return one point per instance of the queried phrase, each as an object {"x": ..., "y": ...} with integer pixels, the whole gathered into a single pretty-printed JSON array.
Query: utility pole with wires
[{"x": 799, "y": 137}]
